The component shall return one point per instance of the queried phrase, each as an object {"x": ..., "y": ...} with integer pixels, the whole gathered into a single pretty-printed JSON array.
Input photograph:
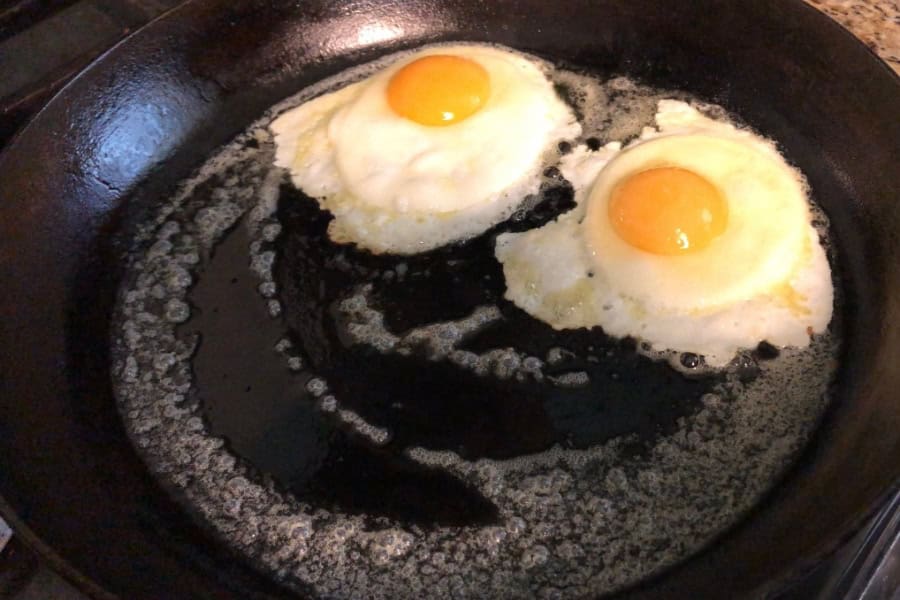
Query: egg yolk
[
  {"x": 438, "y": 89},
  {"x": 668, "y": 211}
]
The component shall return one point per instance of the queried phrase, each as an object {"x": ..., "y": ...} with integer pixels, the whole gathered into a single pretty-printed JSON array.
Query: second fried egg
[{"x": 695, "y": 238}]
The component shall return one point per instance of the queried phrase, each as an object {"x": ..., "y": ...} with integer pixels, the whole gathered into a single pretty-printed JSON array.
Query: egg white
[
  {"x": 765, "y": 278},
  {"x": 395, "y": 186}
]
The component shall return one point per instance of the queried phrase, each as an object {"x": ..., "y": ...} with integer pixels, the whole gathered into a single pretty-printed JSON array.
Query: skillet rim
[{"x": 66, "y": 568}]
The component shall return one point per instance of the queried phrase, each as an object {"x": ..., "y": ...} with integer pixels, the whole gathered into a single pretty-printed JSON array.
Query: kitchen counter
[{"x": 875, "y": 22}]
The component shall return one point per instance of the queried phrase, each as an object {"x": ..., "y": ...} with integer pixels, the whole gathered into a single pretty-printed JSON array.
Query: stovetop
[{"x": 44, "y": 43}]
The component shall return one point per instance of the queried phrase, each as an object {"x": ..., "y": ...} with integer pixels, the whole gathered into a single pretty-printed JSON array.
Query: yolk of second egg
[
  {"x": 438, "y": 89},
  {"x": 668, "y": 211}
]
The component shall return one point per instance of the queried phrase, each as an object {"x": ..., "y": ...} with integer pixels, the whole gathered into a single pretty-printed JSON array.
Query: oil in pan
[{"x": 390, "y": 427}]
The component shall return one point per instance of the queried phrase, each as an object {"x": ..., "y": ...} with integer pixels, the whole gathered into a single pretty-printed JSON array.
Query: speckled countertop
[{"x": 875, "y": 22}]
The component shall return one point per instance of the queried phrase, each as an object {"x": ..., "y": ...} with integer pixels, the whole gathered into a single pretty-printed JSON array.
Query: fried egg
[
  {"x": 435, "y": 148},
  {"x": 697, "y": 237}
]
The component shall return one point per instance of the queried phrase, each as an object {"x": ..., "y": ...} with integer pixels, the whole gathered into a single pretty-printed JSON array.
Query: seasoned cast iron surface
[
  {"x": 116, "y": 140},
  {"x": 390, "y": 426}
]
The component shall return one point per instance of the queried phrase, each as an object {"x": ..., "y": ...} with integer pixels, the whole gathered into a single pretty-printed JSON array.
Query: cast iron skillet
[{"x": 156, "y": 105}]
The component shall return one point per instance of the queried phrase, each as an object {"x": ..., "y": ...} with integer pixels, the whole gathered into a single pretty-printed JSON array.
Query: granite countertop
[{"x": 875, "y": 22}]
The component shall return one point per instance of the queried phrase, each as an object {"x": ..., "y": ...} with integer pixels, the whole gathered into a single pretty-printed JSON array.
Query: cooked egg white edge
[
  {"x": 580, "y": 297},
  {"x": 307, "y": 141},
  {"x": 571, "y": 299}
]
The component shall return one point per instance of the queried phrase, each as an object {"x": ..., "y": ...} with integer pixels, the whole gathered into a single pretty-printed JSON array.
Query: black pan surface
[{"x": 153, "y": 108}]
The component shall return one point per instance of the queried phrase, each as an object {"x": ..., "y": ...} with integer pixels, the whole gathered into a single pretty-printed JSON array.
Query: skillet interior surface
[
  {"x": 434, "y": 438},
  {"x": 195, "y": 96}
]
